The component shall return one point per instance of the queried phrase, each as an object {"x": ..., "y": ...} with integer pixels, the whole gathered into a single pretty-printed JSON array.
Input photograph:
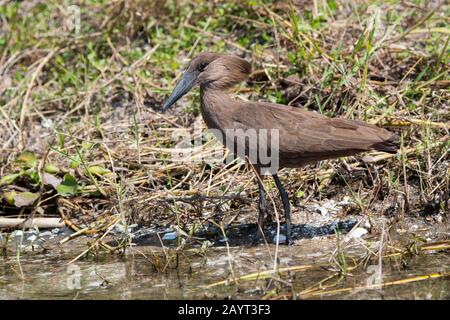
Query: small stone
[
  {"x": 170, "y": 236},
  {"x": 222, "y": 239},
  {"x": 357, "y": 233},
  {"x": 281, "y": 238},
  {"x": 46, "y": 234},
  {"x": 17, "y": 233},
  {"x": 32, "y": 238},
  {"x": 323, "y": 211},
  {"x": 119, "y": 228},
  {"x": 55, "y": 230},
  {"x": 334, "y": 225}
]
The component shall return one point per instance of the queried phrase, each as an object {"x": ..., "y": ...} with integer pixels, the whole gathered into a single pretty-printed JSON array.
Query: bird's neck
[{"x": 213, "y": 104}]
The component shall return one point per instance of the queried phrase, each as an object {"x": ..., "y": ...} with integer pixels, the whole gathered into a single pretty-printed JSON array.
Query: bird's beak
[{"x": 183, "y": 86}]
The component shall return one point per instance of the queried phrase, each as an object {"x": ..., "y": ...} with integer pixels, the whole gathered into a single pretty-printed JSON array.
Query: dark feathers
[{"x": 304, "y": 136}]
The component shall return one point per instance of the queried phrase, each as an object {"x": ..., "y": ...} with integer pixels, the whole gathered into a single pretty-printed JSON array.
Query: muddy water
[{"x": 140, "y": 274}]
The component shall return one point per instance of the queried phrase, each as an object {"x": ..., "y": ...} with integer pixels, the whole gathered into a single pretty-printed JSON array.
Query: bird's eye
[{"x": 202, "y": 66}]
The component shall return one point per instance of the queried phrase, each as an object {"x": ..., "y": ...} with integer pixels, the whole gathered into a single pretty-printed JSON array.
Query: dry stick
[
  {"x": 164, "y": 250},
  {"x": 209, "y": 182},
  {"x": 405, "y": 178},
  {"x": 24, "y": 110},
  {"x": 10, "y": 62},
  {"x": 98, "y": 241},
  {"x": 21, "y": 276},
  {"x": 403, "y": 122},
  {"x": 7, "y": 143},
  {"x": 343, "y": 242},
  {"x": 444, "y": 245},
  {"x": 264, "y": 274},
  {"x": 119, "y": 196},
  {"x": 41, "y": 223},
  {"x": 12, "y": 123},
  {"x": 382, "y": 285},
  {"x": 74, "y": 235},
  {"x": 432, "y": 80},
  {"x": 121, "y": 58},
  {"x": 380, "y": 252},
  {"x": 431, "y": 30},
  {"x": 165, "y": 118},
  {"x": 230, "y": 258},
  {"x": 317, "y": 285},
  {"x": 411, "y": 69},
  {"x": 233, "y": 180},
  {"x": 152, "y": 262},
  {"x": 136, "y": 130}
]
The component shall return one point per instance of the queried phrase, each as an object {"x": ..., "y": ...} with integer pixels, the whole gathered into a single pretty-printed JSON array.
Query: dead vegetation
[{"x": 82, "y": 137}]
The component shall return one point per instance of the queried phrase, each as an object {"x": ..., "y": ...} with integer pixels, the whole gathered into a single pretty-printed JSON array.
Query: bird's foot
[
  {"x": 289, "y": 242},
  {"x": 283, "y": 239}
]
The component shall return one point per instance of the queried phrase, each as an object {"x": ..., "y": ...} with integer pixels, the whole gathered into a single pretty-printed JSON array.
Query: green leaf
[
  {"x": 34, "y": 175},
  {"x": 299, "y": 194},
  {"x": 28, "y": 158},
  {"x": 50, "y": 168},
  {"x": 85, "y": 145},
  {"x": 24, "y": 199},
  {"x": 68, "y": 186},
  {"x": 60, "y": 139},
  {"x": 73, "y": 164},
  {"x": 9, "y": 197},
  {"x": 9, "y": 178},
  {"x": 98, "y": 170}
]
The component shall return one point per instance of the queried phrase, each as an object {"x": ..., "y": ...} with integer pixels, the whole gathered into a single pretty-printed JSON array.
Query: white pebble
[
  {"x": 170, "y": 236},
  {"x": 357, "y": 233},
  {"x": 17, "y": 233},
  {"x": 281, "y": 238}
]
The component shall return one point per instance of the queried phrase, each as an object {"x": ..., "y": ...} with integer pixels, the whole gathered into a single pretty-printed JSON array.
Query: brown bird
[{"x": 304, "y": 137}]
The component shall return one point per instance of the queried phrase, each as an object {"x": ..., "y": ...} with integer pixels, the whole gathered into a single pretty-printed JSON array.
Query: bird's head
[{"x": 210, "y": 70}]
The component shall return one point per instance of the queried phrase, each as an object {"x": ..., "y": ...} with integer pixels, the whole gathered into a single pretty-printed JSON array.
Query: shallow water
[{"x": 133, "y": 276}]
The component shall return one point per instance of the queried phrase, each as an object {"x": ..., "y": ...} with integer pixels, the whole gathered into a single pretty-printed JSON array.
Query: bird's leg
[
  {"x": 286, "y": 207},
  {"x": 262, "y": 211}
]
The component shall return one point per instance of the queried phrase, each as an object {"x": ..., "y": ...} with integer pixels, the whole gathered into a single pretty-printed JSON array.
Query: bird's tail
[{"x": 389, "y": 146}]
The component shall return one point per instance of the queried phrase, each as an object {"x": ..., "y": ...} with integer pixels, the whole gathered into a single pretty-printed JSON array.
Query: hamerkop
[{"x": 303, "y": 136}]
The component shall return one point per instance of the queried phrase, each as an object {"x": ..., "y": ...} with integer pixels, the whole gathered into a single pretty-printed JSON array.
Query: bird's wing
[{"x": 308, "y": 134}]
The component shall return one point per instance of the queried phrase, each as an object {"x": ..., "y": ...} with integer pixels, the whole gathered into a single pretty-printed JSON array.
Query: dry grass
[{"x": 87, "y": 103}]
